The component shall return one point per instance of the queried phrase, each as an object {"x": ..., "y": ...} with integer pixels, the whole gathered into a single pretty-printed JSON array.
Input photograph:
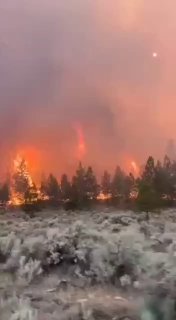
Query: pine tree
[
  {"x": 118, "y": 184},
  {"x": 43, "y": 188},
  {"x": 4, "y": 193},
  {"x": 160, "y": 180},
  {"x": 21, "y": 180},
  {"x": 129, "y": 186},
  {"x": 148, "y": 198},
  {"x": 149, "y": 171},
  {"x": 65, "y": 188},
  {"x": 79, "y": 187},
  {"x": 106, "y": 183},
  {"x": 91, "y": 185},
  {"x": 169, "y": 171},
  {"x": 84, "y": 186},
  {"x": 53, "y": 189}
]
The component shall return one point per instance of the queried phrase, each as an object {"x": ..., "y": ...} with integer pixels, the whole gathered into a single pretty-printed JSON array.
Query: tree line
[{"x": 154, "y": 188}]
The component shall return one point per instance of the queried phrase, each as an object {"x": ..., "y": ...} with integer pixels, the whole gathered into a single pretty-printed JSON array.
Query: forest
[{"x": 154, "y": 188}]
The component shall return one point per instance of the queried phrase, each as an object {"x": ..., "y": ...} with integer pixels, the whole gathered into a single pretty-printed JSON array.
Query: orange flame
[{"x": 17, "y": 199}]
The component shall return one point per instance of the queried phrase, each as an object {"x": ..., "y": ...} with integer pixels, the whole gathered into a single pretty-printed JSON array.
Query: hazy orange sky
[{"x": 86, "y": 62}]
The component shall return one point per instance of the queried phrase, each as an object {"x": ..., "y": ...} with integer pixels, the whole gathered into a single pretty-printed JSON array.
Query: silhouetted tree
[
  {"x": 148, "y": 198},
  {"x": 106, "y": 183},
  {"x": 84, "y": 186},
  {"x": 149, "y": 171},
  {"x": 52, "y": 189},
  {"x": 43, "y": 187},
  {"x": 78, "y": 188},
  {"x": 129, "y": 186},
  {"x": 160, "y": 180},
  {"x": 118, "y": 184},
  {"x": 4, "y": 193},
  {"x": 169, "y": 172},
  {"x": 65, "y": 188},
  {"x": 91, "y": 185}
]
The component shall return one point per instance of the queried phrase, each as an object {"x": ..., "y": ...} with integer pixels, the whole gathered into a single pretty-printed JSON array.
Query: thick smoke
[{"x": 88, "y": 62}]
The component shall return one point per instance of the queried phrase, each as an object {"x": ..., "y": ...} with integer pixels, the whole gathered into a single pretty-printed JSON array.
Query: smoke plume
[{"x": 89, "y": 63}]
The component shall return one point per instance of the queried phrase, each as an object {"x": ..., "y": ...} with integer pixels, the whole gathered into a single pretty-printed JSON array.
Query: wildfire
[
  {"x": 103, "y": 196},
  {"x": 18, "y": 163},
  {"x": 20, "y": 169},
  {"x": 81, "y": 149},
  {"x": 135, "y": 168}
]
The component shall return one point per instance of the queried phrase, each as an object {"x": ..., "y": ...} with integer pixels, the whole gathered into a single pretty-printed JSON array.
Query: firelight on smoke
[
  {"x": 135, "y": 168},
  {"x": 81, "y": 148}
]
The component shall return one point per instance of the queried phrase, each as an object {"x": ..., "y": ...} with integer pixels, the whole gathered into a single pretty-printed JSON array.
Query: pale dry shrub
[
  {"x": 29, "y": 270},
  {"x": 16, "y": 308}
]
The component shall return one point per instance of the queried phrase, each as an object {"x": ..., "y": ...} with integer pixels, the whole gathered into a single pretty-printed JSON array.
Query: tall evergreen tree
[
  {"x": 149, "y": 171},
  {"x": 79, "y": 189},
  {"x": 4, "y": 193},
  {"x": 169, "y": 171},
  {"x": 65, "y": 188},
  {"x": 53, "y": 188},
  {"x": 148, "y": 198},
  {"x": 21, "y": 180},
  {"x": 91, "y": 185},
  {"x": 129, "y": 186},
  {"x": 44, "y": 188},
  {"x": 160, "y": 180},
  {"x": 106, "y": 183},
  {"x": 84, "y": 186},
  {"x": 118, "y": 183}
]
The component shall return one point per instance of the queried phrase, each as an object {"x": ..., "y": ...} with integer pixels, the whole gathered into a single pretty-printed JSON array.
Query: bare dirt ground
[{"x": 88, "y": 265}]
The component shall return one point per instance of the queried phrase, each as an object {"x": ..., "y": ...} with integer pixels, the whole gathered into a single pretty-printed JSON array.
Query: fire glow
[
  {"x": 81, "y": 147},
  {"x": 16, "y": 198},
  {"x": 135, "y": 168}
]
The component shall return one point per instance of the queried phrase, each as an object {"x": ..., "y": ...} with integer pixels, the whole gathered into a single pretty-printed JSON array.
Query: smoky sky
[{"x": 88, "y": 62}]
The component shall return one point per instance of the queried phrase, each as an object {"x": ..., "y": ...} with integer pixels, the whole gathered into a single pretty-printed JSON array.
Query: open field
[{"x": 88, "y": 265}]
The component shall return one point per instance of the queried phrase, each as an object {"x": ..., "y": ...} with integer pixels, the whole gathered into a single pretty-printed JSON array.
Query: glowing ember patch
[{"x": 103, "y": 196}]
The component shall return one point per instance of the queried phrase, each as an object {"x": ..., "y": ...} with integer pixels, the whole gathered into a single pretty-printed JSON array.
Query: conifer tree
[
  {"x": 65, "y": 188},
  {"x": 106, "y": 183},
  {"x": 91, "y": 185}
]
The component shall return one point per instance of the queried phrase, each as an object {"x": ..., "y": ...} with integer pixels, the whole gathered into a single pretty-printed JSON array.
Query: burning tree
[{"x": 21, "y": 182}]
